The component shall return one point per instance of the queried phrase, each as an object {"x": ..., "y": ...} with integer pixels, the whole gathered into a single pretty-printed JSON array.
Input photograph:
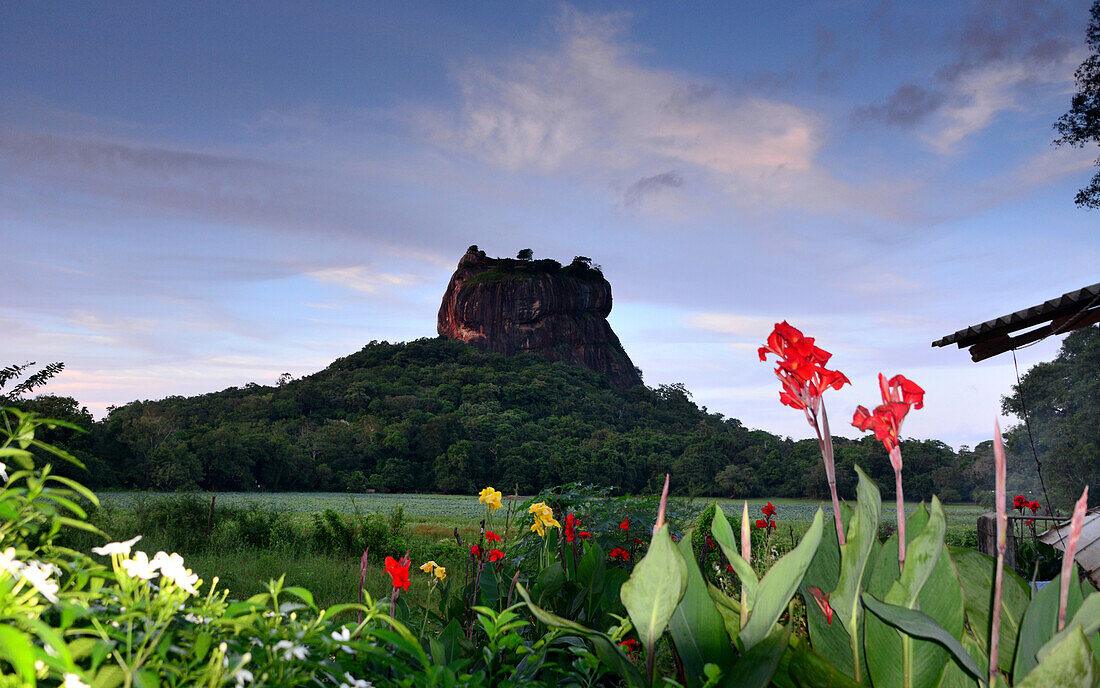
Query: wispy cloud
[{"x": 363, "y": 278}]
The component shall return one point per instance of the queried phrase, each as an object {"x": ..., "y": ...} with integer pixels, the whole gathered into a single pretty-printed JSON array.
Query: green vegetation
[
  {"x": 526, "y": 268},
  {"x": 435, "y": 415}
]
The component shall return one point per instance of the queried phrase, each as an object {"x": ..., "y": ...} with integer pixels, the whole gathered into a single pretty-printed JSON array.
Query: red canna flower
[
  {"x": 491, "y": 536},
  {"x": 638, "y": 541},
  {"x": 801, "y": 368},
  {"x": 632, "y": 646},
  {"x": 625, "y": 525},
  {"x": 583, "y": 534},
  {"x": 398, "y": 571},
  {"x": 476, "y": 552},
  {"x": 571, "y": 528},
  {"x": 495, "y": 555},
  {"x": 761, "y": 523},
  {"x": 1034, "y": 506},
  {"x": 768, "y": 510},
  {"x": 898, "y": 396},
  {"x": 619, "y": 553},
  {"x": 1030, "y": 522},
  {"x": 1019, "y": 503},
  {"x": 822, "y": 599}
]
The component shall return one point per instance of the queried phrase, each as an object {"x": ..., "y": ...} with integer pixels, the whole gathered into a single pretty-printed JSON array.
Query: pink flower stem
[
  {"x": 998, "y": 580},
  {"x": 1068, "y": 568},
  {"x": 895, "y": 459},
  {"x": 825, "y": 441}
]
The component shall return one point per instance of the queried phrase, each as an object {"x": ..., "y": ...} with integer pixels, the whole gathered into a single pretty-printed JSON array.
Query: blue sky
[{"x": 194, "y": 196}]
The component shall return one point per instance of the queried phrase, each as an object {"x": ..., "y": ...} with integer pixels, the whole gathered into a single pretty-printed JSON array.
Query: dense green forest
[{"x": 439, "y": 415}]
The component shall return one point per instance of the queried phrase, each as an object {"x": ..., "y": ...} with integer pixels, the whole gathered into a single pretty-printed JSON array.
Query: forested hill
[{"x": 440, "y": 415}]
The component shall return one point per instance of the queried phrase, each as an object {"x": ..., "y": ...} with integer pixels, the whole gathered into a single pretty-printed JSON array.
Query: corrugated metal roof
[
  {"x": 992, "y": 337},
  {"x": 1088, "y": 545}
]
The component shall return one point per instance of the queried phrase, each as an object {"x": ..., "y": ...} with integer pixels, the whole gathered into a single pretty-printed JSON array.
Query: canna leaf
[
  {"x": 723, "y": 535},
  {"x": 1040, "y": 623},
  {"x": 1068, "y": 664},
  {"x": 975, "y": 573},
  {"x": 779, "y": 585},
  {"x": 696, "y": 626},
  {"x": 654, "y": 588}
]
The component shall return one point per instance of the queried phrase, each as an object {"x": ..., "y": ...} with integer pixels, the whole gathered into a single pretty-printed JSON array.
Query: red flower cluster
[
  {"x": 620, "y": 554},
  {"x": 762, "y": 524},
  {"x": 768, "y": 510},
  {"x": 898, "y": 396},
  {"x": 631, "y": 645},
  {"x": 801, "y": 368},
  {"x": 475, "y": 551},
  {"x": 491, "y": 536},
  {"x": 625, "y": 525},
  {"x": 572, "y": 523},
  {"x": 1020, "y": 503},
  {"x": 495, "y": 555},
  {"x": 399, "y": 572}
]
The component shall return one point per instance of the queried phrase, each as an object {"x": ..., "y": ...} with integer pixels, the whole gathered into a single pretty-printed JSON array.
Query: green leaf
[
  {"x": 727, "y": 542},
  {"x": 1040, "y": 623},
  {"x": 929, "y": 584},
  {"x": 696, "y": 626},
  {"x": 1068, "y": 664},
  {"x": 1087, "y": 617},
  {"x": 302, "y": 594},
  {"x": 757, "y": 666},
  {"x": 728, "y": 608},
  {"x": 17, "y": 648},
  {"x": 605, "y": 649},
  {"x": 779, "y": 585},
  {"x": 975, "y": 574},
  {"x": 654, "y": 588},
  {"x": 109, "y": 676},
  {"x": 860, "y": 538},
  {"x": 808, "y": 669},
  {"x": 920, "y": 625}
]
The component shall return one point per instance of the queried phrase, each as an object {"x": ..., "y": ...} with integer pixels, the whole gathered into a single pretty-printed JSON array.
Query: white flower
[
  {"x": 3, "y": 472},
  {"x": 244, "y": 677},
  {"x": 8, "y": 562},
  {"x": 140, "y": 566},
  {"x": 172, "y": 568},
  {"x": 122, "y": 548},
  {"x": 73, "y": 681},
  {"x": 343, "y": 636},
  {"x": 39, "y": 576},
  {"x": 353, "y": 682},
  {"x": 292, "y": 650},
  {"x": 196, "y": 620}
]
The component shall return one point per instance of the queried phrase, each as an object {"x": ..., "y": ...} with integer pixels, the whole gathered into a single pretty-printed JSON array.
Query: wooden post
[{"x": 987, "y": 539}]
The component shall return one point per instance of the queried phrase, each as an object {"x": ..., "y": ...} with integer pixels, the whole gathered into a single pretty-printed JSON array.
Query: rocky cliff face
[{"x": 509, "y": 306}]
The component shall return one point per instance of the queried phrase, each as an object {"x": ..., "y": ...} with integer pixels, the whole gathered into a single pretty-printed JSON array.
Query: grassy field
[{"x": 425, "y": 527}]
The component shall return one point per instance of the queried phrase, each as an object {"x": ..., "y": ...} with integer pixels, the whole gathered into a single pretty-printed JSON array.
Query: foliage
[
  {"x": 439, "y": 415},
  {"x": 1062, "y": 399},
  {"x": 1081, "y": 125}
]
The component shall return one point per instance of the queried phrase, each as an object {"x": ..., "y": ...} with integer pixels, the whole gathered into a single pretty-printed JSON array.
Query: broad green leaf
[
  {"x": 605, "y": 649},
  {"x": 928, "y": 584},
  {"x": 696, "y": 626},
  {"x": 757, "y": 666},
  {"x": 1040, "y": 623},
  {"x": 109, "y": 676},
  {"x": 1068, "y": 665},
  {"x": 728, "y": 608},
  {"x": 955, "y": 677},
  {"x": 726, "y": 540},
  {"x": 860, "y": 538},
  {"x": 779, "y": 585},
  {"x": 302, "y": 594},
  {"x": 808, "y": 669},
  {"x": 17, "y": 648},
  {"x": 975, "y": 572},
  {"x": 654, "y": 588},
  {"x": 917, "y": 624},
  {"x": 1087, "y": 618}
]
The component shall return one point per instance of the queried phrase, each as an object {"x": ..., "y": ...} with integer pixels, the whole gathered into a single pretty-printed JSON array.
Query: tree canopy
[{"x": 1081, "y": 125}]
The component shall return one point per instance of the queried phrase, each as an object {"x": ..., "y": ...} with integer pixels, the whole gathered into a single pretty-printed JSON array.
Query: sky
[{"x": 195, "y": 196}]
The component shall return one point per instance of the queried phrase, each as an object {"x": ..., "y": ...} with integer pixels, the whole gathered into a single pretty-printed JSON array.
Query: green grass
[{"x": 427, "y": 532}]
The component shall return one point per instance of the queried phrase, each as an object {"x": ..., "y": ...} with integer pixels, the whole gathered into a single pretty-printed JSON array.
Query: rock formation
[{"x": 511, "y": 305}]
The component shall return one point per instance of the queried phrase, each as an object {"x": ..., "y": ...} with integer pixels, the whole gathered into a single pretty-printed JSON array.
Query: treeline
[{"x": 436, "y": 415}]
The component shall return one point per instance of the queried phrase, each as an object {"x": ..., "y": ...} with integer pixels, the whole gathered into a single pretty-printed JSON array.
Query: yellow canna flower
[
  {"x": 537, "y": 527},
  {"x": 544, "y": 514},
  {"x": 490, "y": 498},
  {"x": 429, "y": 567},
  {"x": 440, "y": 572}
]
